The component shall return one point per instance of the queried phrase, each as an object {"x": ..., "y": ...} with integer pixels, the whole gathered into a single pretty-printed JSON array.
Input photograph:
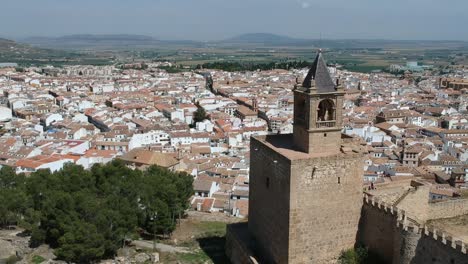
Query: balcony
[{"x": 322, "y": 124}]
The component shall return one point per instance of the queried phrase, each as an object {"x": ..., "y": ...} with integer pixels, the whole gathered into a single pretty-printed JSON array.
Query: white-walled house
[
  {"x": 85, "y": 105},
  {"x": 78, "y": 147},
  {"x": 205, "y": 188},
  {"x": 152, "y": 137},
  {"x": 178, "y": 114},
  {"x": 370, "y": 134},
  {"x": 5, "y": 114},
  {"x": 48, "y": 119},
  {"x": 180, "y": 138},
  {"x": 205, "y": 125},
  {"x": 95, "y": 156},
  {"x": 51, "y": 162},
  {"x": 80, "y": 118},
  {"x": 78, "y": 133}
]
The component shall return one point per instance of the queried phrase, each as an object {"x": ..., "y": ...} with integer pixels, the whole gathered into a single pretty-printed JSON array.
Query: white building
[{"x": 5, "y": 114}]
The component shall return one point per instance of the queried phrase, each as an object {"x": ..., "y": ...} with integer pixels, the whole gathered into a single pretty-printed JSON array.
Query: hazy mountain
[
  {"x": 92, "y": 41},
  {"x": 11, "y": 49},
  {"x": 260, "y": 38},
  {"x": 267, "y": 39},
  {"x": 96, "y": 38},
  {"x": 118, "y": 41}
]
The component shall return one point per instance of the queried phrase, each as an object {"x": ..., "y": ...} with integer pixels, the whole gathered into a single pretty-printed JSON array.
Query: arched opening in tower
[{"x": 326, "y": 110}]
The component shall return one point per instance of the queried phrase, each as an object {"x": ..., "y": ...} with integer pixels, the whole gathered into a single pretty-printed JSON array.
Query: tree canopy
[
  {"x": 86, "y": 214},
  {"x": 199, "y": 115}
]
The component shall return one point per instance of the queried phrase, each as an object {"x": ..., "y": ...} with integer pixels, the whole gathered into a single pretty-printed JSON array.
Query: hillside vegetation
[{"x": 86, "y": 215}]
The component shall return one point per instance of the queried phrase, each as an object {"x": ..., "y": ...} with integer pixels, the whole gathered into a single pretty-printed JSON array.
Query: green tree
[
  {"x": 13, "y": 199},
  {"x": 354, "y": 256},
  {"x": 359, "y": 255},
  {"x": 85, "y": 214},
  {"x": 82, "y": 243},
  {"x": 200, "y": 115}
]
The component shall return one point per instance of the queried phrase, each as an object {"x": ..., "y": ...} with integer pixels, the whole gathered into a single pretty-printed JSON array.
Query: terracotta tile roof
[
  {"x": 202, "y": 185},
  {"x": 243, "y": 206},
  {"x": 39, "y": 160},
  {"x": 100, "y": 153},
  {"x": 147, "y": 157}
]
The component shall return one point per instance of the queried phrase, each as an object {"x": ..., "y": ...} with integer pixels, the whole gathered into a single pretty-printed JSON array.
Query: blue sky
[{"x": 220, "y": 19}]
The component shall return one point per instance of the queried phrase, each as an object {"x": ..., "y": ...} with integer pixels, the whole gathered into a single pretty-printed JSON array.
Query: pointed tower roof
[{"x": 319, "y": 75}]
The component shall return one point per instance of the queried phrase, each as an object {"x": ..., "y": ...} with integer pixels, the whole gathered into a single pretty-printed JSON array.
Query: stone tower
[
  {"x": 305, "y": 187},
  {"x": 318, "y": 111}
]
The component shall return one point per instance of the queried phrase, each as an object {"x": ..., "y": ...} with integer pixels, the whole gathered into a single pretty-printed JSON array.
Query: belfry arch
[{"x": 326, "y": 110}]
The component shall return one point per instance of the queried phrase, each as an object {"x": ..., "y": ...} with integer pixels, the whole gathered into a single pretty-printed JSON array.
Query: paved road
[{"x": 145, "y": 244}]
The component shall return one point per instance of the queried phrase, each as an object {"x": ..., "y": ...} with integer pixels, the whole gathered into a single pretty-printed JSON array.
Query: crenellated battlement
[
  {"x": 381, "y": 205},
  {"x": 408, "y": 224},
  {"x": 446, "y": 238}
]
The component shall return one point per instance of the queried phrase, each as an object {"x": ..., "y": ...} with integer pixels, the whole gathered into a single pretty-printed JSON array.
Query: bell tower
[
  {"x": 318, "y": 111},
  {"x": 305, "y": 195}
]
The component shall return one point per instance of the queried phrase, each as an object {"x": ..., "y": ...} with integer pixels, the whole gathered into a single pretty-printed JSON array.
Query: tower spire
[{"x": 319, "y": 76}]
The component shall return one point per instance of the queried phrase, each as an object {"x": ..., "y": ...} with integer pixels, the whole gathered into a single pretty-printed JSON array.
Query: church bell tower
[
  {"x": 305, "y": 193},
  {"x": 318, "y": 111}
]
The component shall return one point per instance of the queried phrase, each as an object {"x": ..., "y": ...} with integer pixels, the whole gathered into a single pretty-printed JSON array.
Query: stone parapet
[
  {"x": 412, "y": 225},
  {"x": 446, "y": 238}
]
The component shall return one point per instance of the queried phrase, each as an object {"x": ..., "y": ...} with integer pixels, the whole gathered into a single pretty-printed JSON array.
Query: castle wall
[
  {"x": 389, "y": 233},
  {"x": 269, "y": 202},
  {"x": 238, "y": 244},
  {"x": 448, "y": 209},
  {"x": 377, "y": 229},
  {"x": 415, "y": 245},
  {"x": 417, "y": 202},
  {"x": 326, "y": 200},
  {"x": 405, "y": 244},
  {"x": 438, "y": 249}
]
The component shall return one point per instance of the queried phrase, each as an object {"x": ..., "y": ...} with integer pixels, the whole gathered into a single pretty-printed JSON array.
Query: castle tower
[
  {"x": 318, "y": 105},
  {"x": 306, "y": 188}
]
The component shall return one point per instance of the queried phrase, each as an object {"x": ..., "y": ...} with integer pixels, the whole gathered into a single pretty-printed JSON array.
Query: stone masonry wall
[
  {"x": 417, "y": 202},
  {"x": 398, "y": 239},
  {"x": 324, "y": 141},
  {"x": 448, "y": 209},
  {"x": 439, "y": 249},
  {"x": 377, "y": 229},
  {"x": 269, "y": 203},
  {"x": 237, "y": 245},
  {"x": 326, "y": 201},
  {"x": 416, "y": 245}
]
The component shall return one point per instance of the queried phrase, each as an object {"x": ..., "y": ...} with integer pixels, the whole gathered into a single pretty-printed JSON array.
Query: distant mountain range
[
  {"x": 11, "y": 49},
  {"x": 101, "y": 41},
  {"x": 264, "y": 38},
  {"x": 126, "y": 39},
  {"x": 89, "y": 41}
]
